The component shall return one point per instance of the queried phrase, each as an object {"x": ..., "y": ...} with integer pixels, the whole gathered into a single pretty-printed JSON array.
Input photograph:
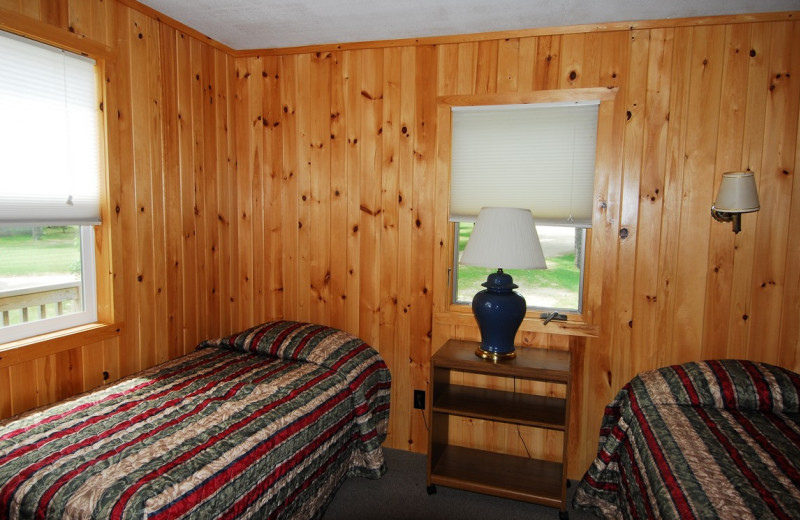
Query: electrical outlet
[{"x": 419, "y": 399}]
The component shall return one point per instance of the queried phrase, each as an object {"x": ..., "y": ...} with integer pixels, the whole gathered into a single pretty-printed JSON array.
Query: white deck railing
[{"x": 40, "y": 297}]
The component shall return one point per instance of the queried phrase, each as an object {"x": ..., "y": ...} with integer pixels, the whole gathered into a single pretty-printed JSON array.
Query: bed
[
  {"x": 711, "y": 439},
  {"x": 265, "y": 423}
]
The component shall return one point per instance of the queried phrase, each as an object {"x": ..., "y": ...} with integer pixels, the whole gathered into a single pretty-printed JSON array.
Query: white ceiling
[{"x": 265, "y": 24}]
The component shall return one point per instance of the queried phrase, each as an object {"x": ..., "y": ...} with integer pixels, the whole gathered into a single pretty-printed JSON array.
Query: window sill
[
  {"x": 20, "y": 351},
  {"x": 462, "y": 315}
]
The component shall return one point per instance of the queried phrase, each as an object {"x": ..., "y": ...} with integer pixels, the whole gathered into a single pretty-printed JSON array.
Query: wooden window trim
[
  {"x": 35, "y": 347},
  {"x": 107, "y": 327},
  {"x": 448, "y": 313},
  {"x": 22, "y": 25}
]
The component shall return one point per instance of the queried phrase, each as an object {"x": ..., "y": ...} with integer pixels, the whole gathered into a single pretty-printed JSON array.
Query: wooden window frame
[
  {"x": 106, "y": 326},
  {"x": 597, "y": 243}
]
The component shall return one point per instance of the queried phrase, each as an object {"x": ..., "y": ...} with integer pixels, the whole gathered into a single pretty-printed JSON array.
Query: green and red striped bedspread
[
  {"x": 263, "y": 424},
  {"x": 712, "y": 439}
]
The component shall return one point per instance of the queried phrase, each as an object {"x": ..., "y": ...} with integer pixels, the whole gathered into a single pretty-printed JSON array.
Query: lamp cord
[{"x": 519, "y": 433}]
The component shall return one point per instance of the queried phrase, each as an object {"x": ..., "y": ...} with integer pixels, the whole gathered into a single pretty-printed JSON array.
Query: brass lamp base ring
[{"x": 493, "y": 356}]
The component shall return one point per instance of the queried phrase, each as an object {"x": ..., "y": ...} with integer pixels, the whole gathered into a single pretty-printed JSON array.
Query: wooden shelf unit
[{"x": 510, "y": 476}]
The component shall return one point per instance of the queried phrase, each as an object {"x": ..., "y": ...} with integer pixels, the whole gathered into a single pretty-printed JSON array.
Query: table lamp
[{"x": 503, "y": 238}]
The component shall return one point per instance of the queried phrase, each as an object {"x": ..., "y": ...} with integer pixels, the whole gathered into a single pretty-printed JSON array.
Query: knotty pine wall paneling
[
  {"x": 171, "y": 222},
  {"x": 693, "y": 101},
  {"x": 353, "y": 189}
]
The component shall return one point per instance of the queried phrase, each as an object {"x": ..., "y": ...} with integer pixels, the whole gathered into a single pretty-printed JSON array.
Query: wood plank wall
[
  {"x": 171, "y": 211},
  {"x": 693, "y": 102},
  {"x": 342, "y": 145},
  {"x": 303, "y": 185}
]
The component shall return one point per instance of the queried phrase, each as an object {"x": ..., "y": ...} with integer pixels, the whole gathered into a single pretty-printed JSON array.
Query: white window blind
[
  {"x": 49, "y": 136},
  {"x": 538, "y": 156}
]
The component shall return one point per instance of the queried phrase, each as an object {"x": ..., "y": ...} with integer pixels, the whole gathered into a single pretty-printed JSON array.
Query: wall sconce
[
  {"x": 737, "y": 194},
  {"x": 501, "y": 238}
]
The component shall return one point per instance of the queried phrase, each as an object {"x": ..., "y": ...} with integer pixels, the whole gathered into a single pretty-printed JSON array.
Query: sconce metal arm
[{"x": 724, "y": 216}]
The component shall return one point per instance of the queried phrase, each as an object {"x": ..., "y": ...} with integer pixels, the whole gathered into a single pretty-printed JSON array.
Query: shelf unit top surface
[{"x": 531, "y": 363}]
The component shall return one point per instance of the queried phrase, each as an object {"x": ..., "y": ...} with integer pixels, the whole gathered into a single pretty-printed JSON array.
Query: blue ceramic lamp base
[{"x": 499, "y": 312}]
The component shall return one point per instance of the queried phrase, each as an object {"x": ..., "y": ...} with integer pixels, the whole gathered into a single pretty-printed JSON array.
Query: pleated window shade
[
  {"x": 538, "y": 156},
  {"x": 49, "y": 136}
]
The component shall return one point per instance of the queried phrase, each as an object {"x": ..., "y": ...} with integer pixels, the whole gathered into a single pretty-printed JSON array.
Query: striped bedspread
[
  {"x": 713, "y": 439},
  {"x": 266, "y": 423}
]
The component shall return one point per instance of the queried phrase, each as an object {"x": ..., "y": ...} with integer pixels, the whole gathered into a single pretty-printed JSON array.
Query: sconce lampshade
[
  {"x": 502, "y": 238},
  {"x": 737, "y": 194}
]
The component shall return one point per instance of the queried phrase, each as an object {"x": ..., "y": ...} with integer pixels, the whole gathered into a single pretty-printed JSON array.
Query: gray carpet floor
[{"x": 401, "y": 494}]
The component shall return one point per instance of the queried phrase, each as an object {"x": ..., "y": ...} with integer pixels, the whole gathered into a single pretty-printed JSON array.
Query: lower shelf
[{"x": 508, "y": 476}]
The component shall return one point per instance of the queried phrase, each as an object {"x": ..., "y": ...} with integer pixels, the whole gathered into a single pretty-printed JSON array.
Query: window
[
  {"x": 537, "y": 156},
  {"x": 50, "y": 170},
  {"x": 559, "y": 287}
]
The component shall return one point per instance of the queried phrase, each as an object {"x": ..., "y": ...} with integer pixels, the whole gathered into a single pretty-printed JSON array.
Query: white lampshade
[
  {"x": 737, "y": 193},
  {"x": 504, "y": 238}
]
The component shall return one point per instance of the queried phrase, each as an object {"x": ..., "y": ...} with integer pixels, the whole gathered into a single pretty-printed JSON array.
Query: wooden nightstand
[{"x": 510, "y": 476}]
